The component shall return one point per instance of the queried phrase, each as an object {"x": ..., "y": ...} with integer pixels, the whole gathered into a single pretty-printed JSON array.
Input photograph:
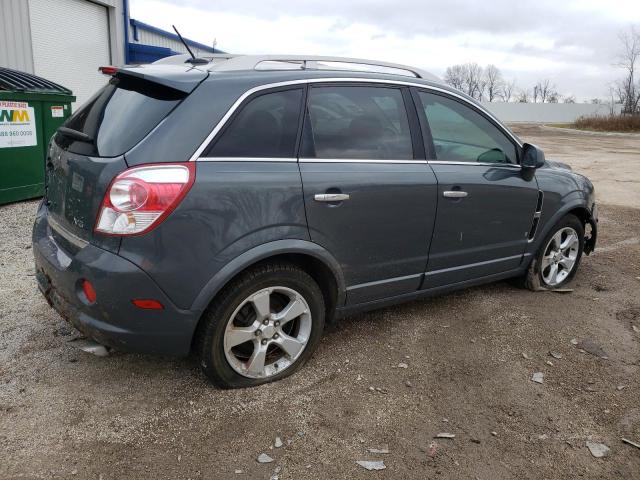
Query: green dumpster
[{"x": 31, "y": 109}]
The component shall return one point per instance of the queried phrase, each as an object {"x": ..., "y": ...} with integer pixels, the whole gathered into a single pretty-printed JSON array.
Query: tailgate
[{"x": 75, "y": 186}]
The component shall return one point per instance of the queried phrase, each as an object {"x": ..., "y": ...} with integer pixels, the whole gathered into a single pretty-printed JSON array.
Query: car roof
[{"x": 256, "y": 70}]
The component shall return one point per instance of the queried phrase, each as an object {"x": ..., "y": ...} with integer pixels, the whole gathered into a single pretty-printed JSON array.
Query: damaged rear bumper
[{"x": 113, "y": 320}]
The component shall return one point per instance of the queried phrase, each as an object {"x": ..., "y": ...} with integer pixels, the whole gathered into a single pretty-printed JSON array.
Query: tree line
[{"x": 488, "y": 83}]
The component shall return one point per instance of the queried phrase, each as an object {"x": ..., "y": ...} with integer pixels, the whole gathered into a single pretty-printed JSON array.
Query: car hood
[{"x": 557, "y": 165}]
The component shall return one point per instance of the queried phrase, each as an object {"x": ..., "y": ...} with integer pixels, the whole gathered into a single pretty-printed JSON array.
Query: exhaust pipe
[{"x": 90, "y": 346}]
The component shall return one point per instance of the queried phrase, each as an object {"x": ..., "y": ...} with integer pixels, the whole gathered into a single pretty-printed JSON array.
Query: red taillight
[
  {"x": 140, "y": 198},
  {"x": 147, "y": 304},
  {"x": 89, "y": 291},
  {"x": 109, "y": 70}
]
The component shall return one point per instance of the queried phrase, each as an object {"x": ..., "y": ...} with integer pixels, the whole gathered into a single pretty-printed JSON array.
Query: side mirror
[{"x": 532, "y": 157}]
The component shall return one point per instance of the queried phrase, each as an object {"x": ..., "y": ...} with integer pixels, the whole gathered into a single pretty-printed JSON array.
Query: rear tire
[
  {"x": 262, "y": 327},
  {"x": 558, "y": 259}
]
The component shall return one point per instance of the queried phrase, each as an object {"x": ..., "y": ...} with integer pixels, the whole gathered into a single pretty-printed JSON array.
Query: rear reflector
[
  {"x": 109, "y": 70},
  {"x": 140, "y": 198},
  {"x": 147, "y": 304},
  {"x": 89, "y": 291}
]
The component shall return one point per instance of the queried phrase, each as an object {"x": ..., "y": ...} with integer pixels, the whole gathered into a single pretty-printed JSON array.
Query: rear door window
[
  {"x": 357, "y": 122},
  {"x": 119, "y": 116},
  {"x": 266, "y": 126}
]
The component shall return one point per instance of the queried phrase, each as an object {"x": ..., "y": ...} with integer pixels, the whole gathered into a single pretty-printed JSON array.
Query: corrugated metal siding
[
  {"x": 151, "y": 38},
  {"x": 15, "y": 35},
  {"x": 70, "y": 41}
]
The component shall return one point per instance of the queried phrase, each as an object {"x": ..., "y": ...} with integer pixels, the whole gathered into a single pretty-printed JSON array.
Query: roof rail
[
  {"x": 225, "y": 62},
  {"x": 315, "y": 62}
]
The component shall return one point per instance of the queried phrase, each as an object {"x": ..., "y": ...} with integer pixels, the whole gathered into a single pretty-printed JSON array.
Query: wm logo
[{"x": 14, "y": 116}]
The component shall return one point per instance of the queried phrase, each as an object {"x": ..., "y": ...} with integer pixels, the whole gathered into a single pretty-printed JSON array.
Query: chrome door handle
[
  {"x": 454, "y": 194},
  {"x": 331, "y": 197}
]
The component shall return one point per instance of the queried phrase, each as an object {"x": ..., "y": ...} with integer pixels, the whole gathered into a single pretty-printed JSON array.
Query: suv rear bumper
[{"x": 112, "y": 320}]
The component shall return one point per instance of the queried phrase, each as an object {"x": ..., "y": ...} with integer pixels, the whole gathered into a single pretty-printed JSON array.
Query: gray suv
[{"x": 231, "y": 207}]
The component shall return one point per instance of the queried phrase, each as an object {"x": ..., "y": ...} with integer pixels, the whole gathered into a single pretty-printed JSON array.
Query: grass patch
[{"x": 609, "y": 123}]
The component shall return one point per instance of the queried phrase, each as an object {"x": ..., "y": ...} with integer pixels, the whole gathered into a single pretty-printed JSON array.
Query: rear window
[{"x": 119, "y": 116}]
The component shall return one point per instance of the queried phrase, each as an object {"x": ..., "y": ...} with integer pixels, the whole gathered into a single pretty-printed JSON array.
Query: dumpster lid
[{"x": 25, "y": 82}]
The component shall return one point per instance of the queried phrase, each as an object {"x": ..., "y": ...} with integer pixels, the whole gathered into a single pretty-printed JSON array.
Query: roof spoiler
[{"x": 182, "y": 78}]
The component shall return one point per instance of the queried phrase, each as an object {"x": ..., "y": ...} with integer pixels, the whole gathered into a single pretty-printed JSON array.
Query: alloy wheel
[
  {"x": 267, "y": 332},
  {"x": 560, "y": 256}
]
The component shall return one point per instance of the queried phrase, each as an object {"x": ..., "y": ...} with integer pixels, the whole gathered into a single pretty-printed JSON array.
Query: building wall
[
  {"x": 64, "y": 41},
  {"x": 69, "y": 48},
  {"x": 151, "y": 38},
  {"x": 546, "y": 112},
  {"x": 15, "y": 35}
]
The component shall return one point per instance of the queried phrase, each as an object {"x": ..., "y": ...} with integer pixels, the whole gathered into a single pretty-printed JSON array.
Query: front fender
[
  {"x": 261, "y": 252},
  {"x": 576, "y": 202}
]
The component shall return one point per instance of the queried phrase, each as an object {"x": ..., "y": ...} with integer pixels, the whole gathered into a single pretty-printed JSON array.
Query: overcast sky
[{"x": 573, "y": 43}]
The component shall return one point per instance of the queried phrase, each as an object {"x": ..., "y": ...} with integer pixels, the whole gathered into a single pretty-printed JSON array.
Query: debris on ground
[
  {"x": 593, "y": 348},
  {"x": 372, "y": 464},
  {"x": 433, "y": 449},
  {"x": 563, "y": 290},
  {"x": 598, "y": 450},
  {"x": 556, "y": 355},
  {"x": 549, "y": 362},
  {"x": 382, "y": 451},
  {"x": 634, "y": 444},
  {"x": 537, "y": 377},
  {"x": 495, "y": 434},
  {"x": 621, "y": 387},
  {"x": 403, "y": 365},
  {"x": 445, "y": 435},
  {"x": 574, "y": 341},
  {"x": 635, "y": 328},
  {"x": 278, "y": 443},
  {"x": 264, "y": 458},
  {"x": 238, "y": 472},
  {"x": 525, "y": 356},
  {"x": 408, "y": 384}
]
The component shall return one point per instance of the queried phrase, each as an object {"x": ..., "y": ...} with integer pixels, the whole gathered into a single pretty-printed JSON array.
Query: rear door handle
[
  {"x": 454, "y": 194},
  {"x": 331, "y": 197}
]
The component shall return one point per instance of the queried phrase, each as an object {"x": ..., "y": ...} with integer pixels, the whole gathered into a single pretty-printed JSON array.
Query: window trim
[
  {"x": 428, "y": 137},
  {"x": 415, "y": 134},
  {"x": 237, "y": 111},
  {"x": 308, "y": 81}
]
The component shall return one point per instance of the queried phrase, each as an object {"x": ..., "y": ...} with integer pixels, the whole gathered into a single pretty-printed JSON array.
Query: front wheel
[
  {"x": 262, "y": 327},
  {"x": 557, "y": 261}
]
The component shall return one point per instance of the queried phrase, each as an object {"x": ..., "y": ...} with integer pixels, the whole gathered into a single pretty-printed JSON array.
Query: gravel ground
[{"x": 469, "y": 359}]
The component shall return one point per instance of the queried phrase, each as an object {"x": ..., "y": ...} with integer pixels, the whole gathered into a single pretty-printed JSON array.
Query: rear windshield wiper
[{"x": 75, "y": 134}]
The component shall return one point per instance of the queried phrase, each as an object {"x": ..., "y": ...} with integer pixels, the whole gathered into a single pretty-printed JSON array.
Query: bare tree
[
  {"x": 455, "y": 76},
  {"x": 627, "y": 89},
  {"x": 569, "y": 99},
  {"x": 467, "y": 77},
  {"x": 493, "y": 82},
  {"x": 508, "y": 90},
  {"x": 524, "y": 96},
  {"x": 545, "y": 91},
  {"x": 475, "y": 83}
]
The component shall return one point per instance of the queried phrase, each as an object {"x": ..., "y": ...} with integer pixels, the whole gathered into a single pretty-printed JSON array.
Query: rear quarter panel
[{"x": 231, "y": 208}]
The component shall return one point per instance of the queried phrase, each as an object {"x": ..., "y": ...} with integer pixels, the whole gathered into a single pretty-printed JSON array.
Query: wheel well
[
  {"x": 590, "y": 229},
  {"x": 318, "y": 270},
  {"x": 582, "y": 214}
]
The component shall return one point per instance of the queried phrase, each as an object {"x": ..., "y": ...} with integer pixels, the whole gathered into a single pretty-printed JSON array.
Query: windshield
[{"x": 117, "y": 117}]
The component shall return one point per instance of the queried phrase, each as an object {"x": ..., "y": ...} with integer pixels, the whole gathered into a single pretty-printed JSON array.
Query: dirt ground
[{"x": 469, "y": 361}]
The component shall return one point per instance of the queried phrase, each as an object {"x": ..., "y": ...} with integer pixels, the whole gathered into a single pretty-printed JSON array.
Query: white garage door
[{"x": 70, "y": 42}]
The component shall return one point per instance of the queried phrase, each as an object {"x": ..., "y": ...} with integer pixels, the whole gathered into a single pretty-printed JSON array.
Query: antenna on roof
[{"x": 193, "y": 60}]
